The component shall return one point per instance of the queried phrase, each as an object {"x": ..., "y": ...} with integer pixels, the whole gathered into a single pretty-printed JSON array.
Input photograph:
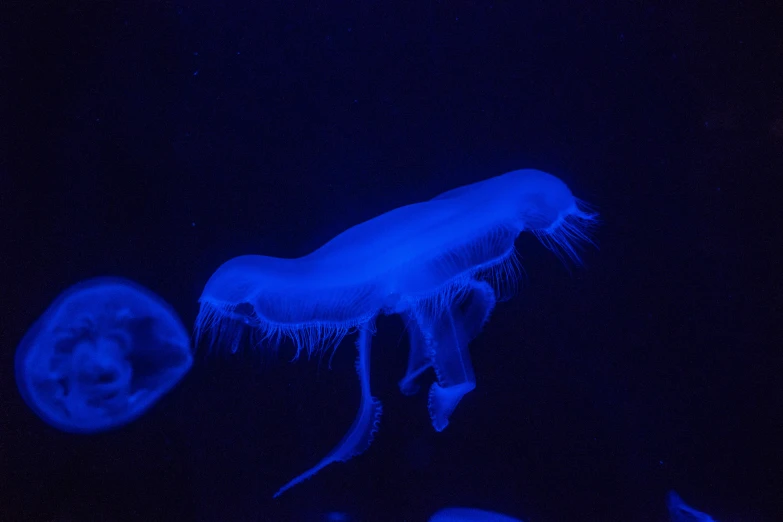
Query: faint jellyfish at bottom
[
  {"x": 102, "y": 353},
  {"x": 679, "y": 511},
  {"x": 459, "y": 514}
]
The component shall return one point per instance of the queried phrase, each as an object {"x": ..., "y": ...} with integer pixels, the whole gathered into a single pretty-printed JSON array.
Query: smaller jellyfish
[
  {"x": 456, "y": 514},
  {"x": 679, "y": 511},
  {"x": 104, "y": 352}
]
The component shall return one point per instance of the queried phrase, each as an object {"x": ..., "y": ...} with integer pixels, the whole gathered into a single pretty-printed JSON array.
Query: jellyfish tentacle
[
  {"x": 418, "y": 358},
  {"x": 362, "y": 431},
  {"x": 447, "y": 334}
]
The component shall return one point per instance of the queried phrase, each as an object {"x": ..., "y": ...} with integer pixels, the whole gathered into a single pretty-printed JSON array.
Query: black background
[{"x": 155, "y": 140}]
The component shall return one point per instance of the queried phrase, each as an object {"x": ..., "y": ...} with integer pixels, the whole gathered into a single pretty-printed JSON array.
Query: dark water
[{"x": 155, "y": 140}]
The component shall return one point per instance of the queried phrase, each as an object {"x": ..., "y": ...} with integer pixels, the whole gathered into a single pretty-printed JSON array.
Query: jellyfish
[
  {"x": 104, "y": 352},
  {"x": 679, "y": 511},
  {"x": 469, "y": 515},
  {"x": 441, "y": 264}
]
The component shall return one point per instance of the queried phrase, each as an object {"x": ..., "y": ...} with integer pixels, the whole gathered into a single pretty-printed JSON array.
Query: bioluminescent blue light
[
  {"x": 442, "y": 264},
  {"x": 679, "y": 511},
  {"x": 469, "y": 515},
  {"x": 102, "y": 353}
]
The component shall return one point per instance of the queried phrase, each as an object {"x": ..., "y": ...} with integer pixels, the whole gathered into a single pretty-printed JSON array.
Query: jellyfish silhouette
[
  {"x": 101, "y": 354},
  {"x": 441, "y": 264},
  {"x": 457, "y": 514}
]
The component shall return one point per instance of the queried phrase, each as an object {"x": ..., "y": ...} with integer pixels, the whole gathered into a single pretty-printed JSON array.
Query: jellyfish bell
[{"x": 101, "y": 354}]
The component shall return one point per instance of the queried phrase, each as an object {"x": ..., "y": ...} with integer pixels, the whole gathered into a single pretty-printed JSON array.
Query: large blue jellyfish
[
  {"x": 441, "y": 264},
  {"x": 100, "y": 355}
]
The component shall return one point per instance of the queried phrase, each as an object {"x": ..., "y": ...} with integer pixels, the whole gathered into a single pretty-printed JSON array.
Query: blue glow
[
  {"x": 679, "y": 511},
  {"x": 442, "y": 264},
  {"x": 469, "y": 515},
  {"x": 102, "y": 353}
]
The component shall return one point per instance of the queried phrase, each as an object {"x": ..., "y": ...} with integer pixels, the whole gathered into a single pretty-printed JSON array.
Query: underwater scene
[{"x": 391, "y": 261}]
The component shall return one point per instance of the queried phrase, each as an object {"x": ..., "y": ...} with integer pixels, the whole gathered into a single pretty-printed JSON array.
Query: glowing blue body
[
  {"x": 469, "y": 515},
  {"x": 102, "y": 354},
  {"x": 441, "y": 264}
]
